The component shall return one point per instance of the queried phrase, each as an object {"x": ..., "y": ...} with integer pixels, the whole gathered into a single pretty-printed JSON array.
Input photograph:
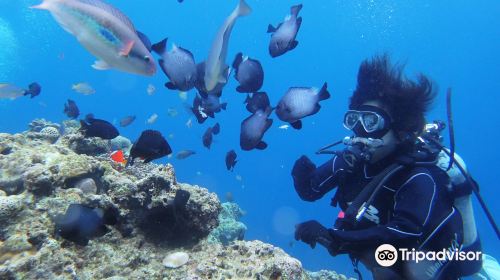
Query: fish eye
[{"x": 147, "y": 58}]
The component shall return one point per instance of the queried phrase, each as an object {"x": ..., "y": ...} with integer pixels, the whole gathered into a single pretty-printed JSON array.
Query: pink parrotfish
[{"x": 105, "y": 32}]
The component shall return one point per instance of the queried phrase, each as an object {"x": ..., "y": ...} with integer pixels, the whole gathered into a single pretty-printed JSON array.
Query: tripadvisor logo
[{"x": 386, "y": 255}]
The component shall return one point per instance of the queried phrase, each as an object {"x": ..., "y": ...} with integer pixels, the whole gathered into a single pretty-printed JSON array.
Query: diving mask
[{"x": 368, "y": 121}]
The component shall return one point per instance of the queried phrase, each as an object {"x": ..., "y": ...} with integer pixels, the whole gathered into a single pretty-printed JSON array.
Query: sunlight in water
[{"x": 8, "y": 51}]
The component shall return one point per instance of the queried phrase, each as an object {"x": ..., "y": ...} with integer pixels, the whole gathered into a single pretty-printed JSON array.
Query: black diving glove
[
  {"x": 302, "y": 172},
  {"x": 353, "y": 158},
  {"x": 312, "y": 232}
]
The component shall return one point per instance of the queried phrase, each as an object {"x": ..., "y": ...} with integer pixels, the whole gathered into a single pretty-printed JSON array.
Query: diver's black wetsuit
[{"x": 413, "y": 210}]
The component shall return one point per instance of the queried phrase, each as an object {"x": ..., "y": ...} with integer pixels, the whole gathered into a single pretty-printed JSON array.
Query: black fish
[
  {"x": 249, "y": 73},
  {"x": 81, "y": 223},
  {"x": 178, "y": 65},
  {"x": 253, "y": 129},
  {"x": 208, "y": 136},
  {"x": 34, "y": 89},
  {"x": 127, "y": 121},
  {"x": 283, "y": 36},
  {"x": 92, "y": 127},
  {"x": 71, "y": 109},
  {"x": 204, "y": 107},
  {"x": 257, "y": 101},
  {"x": 300, "y": 102},
  {"x": 151, "y": 145},
  {"x": 231, "y": 160},
  {"x": 181, "y": 198}
]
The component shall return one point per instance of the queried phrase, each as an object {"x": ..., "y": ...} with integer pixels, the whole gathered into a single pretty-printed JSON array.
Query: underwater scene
[{"x": 249, "y": 139}]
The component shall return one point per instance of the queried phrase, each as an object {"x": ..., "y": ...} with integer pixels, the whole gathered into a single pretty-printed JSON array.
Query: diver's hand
[
  {"x": 312, "y": 232},
  {"x": 302, "y": 172},
  {"x": 353, "y": 158}
]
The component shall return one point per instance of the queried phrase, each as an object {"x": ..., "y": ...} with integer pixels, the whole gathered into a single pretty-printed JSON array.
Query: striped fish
[{"x": 105, "y": 32}]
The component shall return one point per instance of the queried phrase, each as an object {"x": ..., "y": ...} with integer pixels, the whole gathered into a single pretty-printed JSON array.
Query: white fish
[
  {"x": 285, "y": 126},
  {"x": 183, "y": 95},
  {"x": 152, "y": 119},
  {"x": 9, "y": 91},
  {"x": 105, "y": 32},
  {"x": 216, "y": 69},
  {"x": 189, "y": 123},
  {"x": 151, "y": 89},
  {"x": 172, "y": 112},
  {"x": 83, "y": 88}
]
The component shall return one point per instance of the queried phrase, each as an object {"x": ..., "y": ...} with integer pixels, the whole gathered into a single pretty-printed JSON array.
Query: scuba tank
[{"x": 462, "y": 196}]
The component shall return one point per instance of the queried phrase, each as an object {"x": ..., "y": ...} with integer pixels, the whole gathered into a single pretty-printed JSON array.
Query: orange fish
[{"x": 119, "y": 157}]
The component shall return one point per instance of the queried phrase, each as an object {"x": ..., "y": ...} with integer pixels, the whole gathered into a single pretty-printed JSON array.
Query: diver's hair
[{"x": 406, "y": 100}]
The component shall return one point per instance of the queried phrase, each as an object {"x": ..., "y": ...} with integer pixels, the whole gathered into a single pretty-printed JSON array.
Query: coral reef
[
  {"x": 155, "y": 217},
  {"x": 230, "y": 228}
]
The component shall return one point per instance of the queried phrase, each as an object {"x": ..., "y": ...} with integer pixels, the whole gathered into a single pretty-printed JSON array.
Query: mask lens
[
  {"x": 350, "y": 119},
  {"x": 370, "y": 122}
]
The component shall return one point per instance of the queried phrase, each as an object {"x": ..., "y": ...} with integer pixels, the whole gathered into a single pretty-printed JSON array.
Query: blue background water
[{"x": 455, "y": 44}]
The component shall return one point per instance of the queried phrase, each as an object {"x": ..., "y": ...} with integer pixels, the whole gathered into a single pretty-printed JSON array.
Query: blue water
[{"x": 455, "y": 44}]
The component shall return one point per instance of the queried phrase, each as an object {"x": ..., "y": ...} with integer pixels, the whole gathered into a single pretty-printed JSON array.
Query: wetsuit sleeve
[
  {"x": 414, "y": 202},
  {"x": 313, "y": 183}
]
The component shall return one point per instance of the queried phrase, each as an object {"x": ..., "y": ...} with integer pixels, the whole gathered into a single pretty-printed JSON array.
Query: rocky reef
[{"x": 51, "y": 166}]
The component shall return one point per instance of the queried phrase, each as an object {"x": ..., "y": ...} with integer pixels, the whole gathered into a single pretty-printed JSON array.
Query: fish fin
[
  {"x": 89, "y": 117},
  {"x": 144, "y": 39},
  {"x": 216, "y": 129},
  {"x": 42, "y": 6},
  {"x": 188, "y": 52},
  {"x": 243, "y": 8},
  {"x": 323, "y": 92},
  {"x": 224, "y": 75},
  {"x": 261, "y": 146},
  {"x": 294, "y": 10},
  {"x": 271, "y": 28},
  {"x": 204, "y": 95},
  {"x": 101, "y": 65},
  {"x": 160, "y": 47},
  {"x": 293, "y": 45},
  {"x": 237, "y": 61},
  {"x": 211, "y": 114},
  {"x": 299, "y": 22},
  {"x": 127, "y": 48},
  {"x": 241, "y": 89},
  {"x": 269, "y": 123},
  {"x": 297, "y": 124},
  {"x": 224, "y": 105},
  {"x": 101, "y": 231},
  {"x": 316, "y": 109},
  {"x": 171, "y": 86},
  {"x": 222, "y": 79}
]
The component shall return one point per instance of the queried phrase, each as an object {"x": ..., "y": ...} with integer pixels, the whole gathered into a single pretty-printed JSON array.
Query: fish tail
[
  {"x": 295, "y": 10},
  {"x": 160, "y": 47},
  {"x": 323, "y": 92},
  {"x": 243, "y": 8},
  {"x": 42, "y": 6}
]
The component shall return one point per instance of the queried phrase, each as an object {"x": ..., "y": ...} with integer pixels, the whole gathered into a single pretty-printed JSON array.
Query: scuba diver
[{"x": 393, "y": 182}]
